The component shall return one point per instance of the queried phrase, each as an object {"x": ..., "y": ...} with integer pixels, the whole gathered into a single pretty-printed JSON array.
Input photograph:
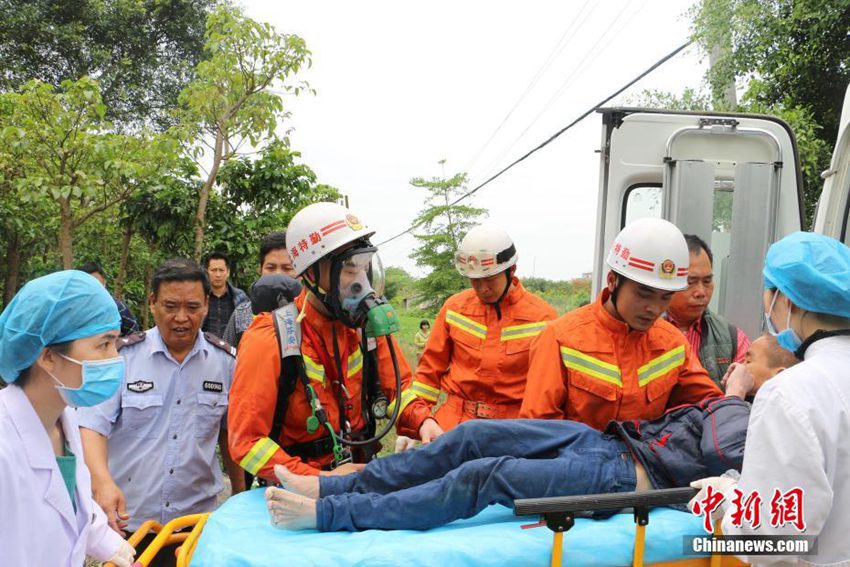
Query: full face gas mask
[{"x": 355, "y": 297}]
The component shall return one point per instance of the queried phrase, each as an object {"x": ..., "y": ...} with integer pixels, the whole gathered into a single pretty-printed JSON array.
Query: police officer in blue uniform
[{"x": 151, "y": 447}]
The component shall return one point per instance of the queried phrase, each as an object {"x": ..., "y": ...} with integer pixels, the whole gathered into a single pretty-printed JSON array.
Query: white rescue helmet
[
  {"x": 320, "y": 229},
  {"x": 485, "y": 251},
  {"x": 652, "y": 252}
]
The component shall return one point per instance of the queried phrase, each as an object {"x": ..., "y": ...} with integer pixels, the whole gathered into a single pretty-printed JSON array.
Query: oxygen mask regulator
[
  {"x": 379, "y": 320},
  {"x": 378, "y": 315}
]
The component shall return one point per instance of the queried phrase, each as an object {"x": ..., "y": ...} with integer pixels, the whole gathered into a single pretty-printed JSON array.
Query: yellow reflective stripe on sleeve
[
  {"x": 259, "y": 455},
  {"x": 605, "y": 371},
  {"x": 425, "y": 391},
  {"x": 314, "y": 371},
  {"x": 407, "y": 396},
  {"x": 355, "y": 362},
  {"x": 455, "y": 319},
  {"x": 523, "y": 331},
  {"x": 660, "y": 366}
]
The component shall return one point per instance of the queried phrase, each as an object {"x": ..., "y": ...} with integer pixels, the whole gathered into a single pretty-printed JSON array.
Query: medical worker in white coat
[
  {"x": 799, "y": 430},
  {"x": 56, "y": 352}
]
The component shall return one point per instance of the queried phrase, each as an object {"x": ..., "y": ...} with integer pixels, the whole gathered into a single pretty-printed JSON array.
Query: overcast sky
[{"x": 402, "y": 85}]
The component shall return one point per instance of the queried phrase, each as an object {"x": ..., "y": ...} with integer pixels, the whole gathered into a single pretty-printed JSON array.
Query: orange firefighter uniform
[
  {"x": 478, "y": 360},
  {"x": 587, "y": 366},
  {"x": 253, "y": 396}
]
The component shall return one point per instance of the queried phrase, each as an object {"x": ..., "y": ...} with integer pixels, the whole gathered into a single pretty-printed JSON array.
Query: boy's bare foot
[
  {"x": 299, "y": 484},
  {"x": 289, "y": 510}
]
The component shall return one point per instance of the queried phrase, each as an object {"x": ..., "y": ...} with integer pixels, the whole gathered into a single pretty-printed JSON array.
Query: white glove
[
  {"x": 403, "y": 443},
  {"x": 724, "y": 485},
  {"x": 124, "y": 556}
]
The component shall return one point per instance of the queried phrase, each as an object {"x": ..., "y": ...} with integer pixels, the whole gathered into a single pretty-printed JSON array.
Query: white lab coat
[
  {"x": 38, "y": 526},
  {"x": 799, "y": 436}
]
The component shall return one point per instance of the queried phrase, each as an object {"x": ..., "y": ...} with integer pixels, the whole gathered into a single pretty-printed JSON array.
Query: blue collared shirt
[{"x": 163, "y": 427}]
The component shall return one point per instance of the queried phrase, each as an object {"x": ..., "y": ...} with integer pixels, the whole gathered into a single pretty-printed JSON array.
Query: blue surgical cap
[
  {"x": 56, "y": 308},
  {"x": 812, "y": 270}
]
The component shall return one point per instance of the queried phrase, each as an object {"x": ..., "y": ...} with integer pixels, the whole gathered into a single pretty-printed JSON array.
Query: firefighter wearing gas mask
[{"x": 316, "y": 412}]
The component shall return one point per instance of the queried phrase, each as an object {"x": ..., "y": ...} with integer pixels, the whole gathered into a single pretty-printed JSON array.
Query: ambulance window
[
  {"x": 720, "y": 241},
  {"x": 642, "y": 201},
  {"x": 722, "y": 217}
]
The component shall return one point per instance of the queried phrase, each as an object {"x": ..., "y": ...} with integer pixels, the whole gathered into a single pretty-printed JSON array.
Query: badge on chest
[{"x": 139, "y": 386}]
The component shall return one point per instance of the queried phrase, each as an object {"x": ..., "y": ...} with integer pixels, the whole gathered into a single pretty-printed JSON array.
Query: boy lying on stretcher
[{"x": 482, "y": 462}]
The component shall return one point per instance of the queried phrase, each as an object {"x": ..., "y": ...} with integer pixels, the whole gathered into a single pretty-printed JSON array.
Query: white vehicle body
[
  {"x": 732, "y": 179},
  {"x": 834, "y": 205}
]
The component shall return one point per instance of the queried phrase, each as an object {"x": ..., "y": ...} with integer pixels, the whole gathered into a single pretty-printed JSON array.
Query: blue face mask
[
  {"x": 101, "y": 379},
  {"x": 787, "y": 339}
]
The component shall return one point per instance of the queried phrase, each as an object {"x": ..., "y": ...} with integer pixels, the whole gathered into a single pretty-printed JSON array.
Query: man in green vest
[{"x": 718, "y": 342}]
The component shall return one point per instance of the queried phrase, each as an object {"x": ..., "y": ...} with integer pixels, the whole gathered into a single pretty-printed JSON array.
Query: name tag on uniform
[
  {"x": 289, "y": 329},
  {"x": 213, "y": 386},
  {"x": 139, "y": 386}
]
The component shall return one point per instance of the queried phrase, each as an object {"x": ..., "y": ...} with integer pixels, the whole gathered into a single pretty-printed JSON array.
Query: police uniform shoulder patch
[
  {"x": 129, "y": 340},
  {"x": 220, "y": 344}
]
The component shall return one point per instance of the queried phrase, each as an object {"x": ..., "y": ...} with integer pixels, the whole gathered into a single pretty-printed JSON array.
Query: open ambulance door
[
  {"x": 833, "y": 213},
  {"x": 732, "y": 179}
]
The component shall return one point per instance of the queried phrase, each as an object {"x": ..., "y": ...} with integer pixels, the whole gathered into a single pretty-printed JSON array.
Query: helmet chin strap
[
  {"x": 497, "y": 304},
  {"x": 614, "y": 296},
  {"x": 316, "y": 289}
]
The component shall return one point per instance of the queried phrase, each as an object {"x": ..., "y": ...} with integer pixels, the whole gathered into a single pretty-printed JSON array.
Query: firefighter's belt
[{"x": 484, "y": 410}]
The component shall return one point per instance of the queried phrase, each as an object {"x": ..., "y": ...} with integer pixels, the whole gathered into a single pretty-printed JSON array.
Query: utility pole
[{"x": 723, "y": 92}]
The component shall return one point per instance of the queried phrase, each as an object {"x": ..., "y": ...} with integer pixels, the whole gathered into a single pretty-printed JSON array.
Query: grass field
[{"x": 409, "y": 322}]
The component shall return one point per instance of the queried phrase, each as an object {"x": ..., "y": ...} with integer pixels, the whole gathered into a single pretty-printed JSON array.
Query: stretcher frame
[
  {"x": 172, "y": 533},
  {"x": 558, "y": 514}
]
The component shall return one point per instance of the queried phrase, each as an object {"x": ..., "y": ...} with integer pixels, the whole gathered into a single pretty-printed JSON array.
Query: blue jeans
[{"x": 480, "y": 462}]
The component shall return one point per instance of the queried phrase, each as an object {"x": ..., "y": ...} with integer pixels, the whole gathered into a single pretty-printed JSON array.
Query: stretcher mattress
[{"x": 240, "y": 534}]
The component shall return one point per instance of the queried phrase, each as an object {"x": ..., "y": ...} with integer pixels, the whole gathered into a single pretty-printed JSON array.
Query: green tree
[
  {"x": 70, "y": 157},
  {"x": 399, "y": 285},
  {"x": 231, "y": 101},
  {"x": 690, "y": 99},
  {"x": 156, "y": 225},
  {"x": 440, "y": 228},
  {"x": 259, "y": 196},
  {"x": 563, "y": 295},
  {"x": 24, "y": 219},
  {"x": 143, "y": 52},
  {"x": 794, "y": 59}
]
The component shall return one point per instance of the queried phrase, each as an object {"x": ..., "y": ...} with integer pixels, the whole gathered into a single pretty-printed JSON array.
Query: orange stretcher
[{"x": 172, "y": 533}]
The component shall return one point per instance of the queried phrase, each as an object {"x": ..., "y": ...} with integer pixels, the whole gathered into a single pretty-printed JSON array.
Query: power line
[
  {"x": 569, "y": 79},
  {"x": 554, "y": 54},
  {"x": 553, "y": 137}
]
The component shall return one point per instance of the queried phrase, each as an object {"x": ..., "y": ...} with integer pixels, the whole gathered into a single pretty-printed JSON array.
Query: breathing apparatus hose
[{"x": 396, "y": 409}]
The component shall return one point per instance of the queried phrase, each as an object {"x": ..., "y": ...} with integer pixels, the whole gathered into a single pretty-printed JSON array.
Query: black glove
[{"x": 273, "y": 291}]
